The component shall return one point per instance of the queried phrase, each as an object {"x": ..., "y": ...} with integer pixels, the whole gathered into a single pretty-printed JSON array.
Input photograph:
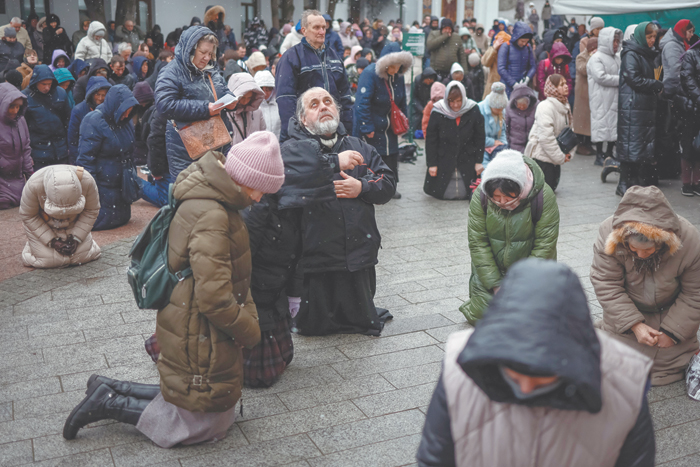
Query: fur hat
[
  {"x": 257, "y": 163},
  {"x": 497, "y": 98},
  {"x": 655, "y": 234}
]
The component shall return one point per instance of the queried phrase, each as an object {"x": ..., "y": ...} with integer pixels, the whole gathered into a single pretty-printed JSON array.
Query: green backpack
[{"x": 149, "y": 275}]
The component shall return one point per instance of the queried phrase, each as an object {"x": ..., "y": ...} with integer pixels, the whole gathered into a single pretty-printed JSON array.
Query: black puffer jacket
[
  {"x": 636, "y": 116},
  {"x": 338, "y": 234},
  {"x": 157, "y": 157},
  {"x": 690, "y": 90},
  {"x": 690, "y": 75},
  {"x": 547, "y": 333},
  {"x": 275, "y": 250}
]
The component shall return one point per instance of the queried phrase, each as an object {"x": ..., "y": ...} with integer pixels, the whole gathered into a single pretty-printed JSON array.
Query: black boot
[
  {"x": 127, "y": 388},
  {"x": 625, "y": 181},
  {"x": 609, "y": 166},
  {"x": 599, "y": 157},
  {"x": 103, "y": 403}
]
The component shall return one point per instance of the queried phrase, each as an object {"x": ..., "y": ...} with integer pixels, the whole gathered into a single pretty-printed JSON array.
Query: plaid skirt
[{"x": 264, "y": 363}]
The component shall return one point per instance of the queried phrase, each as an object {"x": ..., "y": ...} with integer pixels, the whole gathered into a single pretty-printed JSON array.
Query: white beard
[{"x": 326, "y": 127}]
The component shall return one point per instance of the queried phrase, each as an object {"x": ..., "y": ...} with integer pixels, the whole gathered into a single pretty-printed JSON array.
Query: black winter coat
[
  {"x": 451, "y": 147},
  {"x": 421, "y": 93},
  {"x": 157, "y": 157},
  {"x": 53, "y": 41},
  {"x": 80, "y": 87},
  {"x": 337, "y": 234},
  {"x": 690, "y": 89},
  {"x": 560, "y": 337},
  {"x": 275, "y": 250},
  {"x": 637, "y": 103}
]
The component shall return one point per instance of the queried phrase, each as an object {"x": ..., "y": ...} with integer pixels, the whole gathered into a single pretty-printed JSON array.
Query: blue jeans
[{"x": 156, "y": 191}]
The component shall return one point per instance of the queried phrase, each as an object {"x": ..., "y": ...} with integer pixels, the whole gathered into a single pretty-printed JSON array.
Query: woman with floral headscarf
[
  {"x": 552, "y": 116},
  {"x": 454, "y": 144}
]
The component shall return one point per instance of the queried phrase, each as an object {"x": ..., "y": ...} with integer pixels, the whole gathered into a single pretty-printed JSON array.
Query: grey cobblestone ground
[{"x": 345, "y": 400}]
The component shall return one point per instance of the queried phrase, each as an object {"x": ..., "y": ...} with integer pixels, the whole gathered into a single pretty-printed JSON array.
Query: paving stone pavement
[{"x": 346, "y": 400}]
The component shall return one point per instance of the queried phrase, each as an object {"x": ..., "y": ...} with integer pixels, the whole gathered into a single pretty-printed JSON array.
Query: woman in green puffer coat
[{"x": 502, "y": 230}]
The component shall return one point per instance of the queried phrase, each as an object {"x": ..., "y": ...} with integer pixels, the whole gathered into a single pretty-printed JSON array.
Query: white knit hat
[
  {"x": 474, "y": 60},
  {"x": 264, "y": 79},
  {"x": 596, "y": 22},
  {"x": 508, "y": 164},
  {"x": 256, "y": 59}
]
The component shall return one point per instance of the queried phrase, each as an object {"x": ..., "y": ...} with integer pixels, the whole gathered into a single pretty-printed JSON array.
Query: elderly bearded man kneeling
[
  {"x": 334, "y": 180},
  {"x": 646, "y": 275}
]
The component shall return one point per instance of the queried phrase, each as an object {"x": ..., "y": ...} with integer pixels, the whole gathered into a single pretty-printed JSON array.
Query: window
[{"x": 2, "y": 8}]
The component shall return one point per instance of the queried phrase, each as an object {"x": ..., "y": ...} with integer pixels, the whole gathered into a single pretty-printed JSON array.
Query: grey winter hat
[
  {"x": 508, "y": 164},
  {"x": 497, "y": 97},
  {"x": 10, "y": 32},
  {"x": 596, "y": 22}
]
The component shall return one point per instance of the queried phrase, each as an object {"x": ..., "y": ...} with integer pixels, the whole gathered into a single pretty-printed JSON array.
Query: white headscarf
[{"x": 443, "y": 106}]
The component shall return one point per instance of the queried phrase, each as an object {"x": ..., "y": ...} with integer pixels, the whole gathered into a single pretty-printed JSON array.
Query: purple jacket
[
  {"x": 515, "y": 63},
  {"x": 519, "y": 122},
  {"x": 15, "y": 152}
]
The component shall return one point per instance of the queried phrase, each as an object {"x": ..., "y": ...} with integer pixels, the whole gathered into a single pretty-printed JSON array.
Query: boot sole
[{"x": 69, "y": 430}]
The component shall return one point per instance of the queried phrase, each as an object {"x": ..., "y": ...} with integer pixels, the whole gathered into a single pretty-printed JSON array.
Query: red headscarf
[{"x": 680, "y": 28}]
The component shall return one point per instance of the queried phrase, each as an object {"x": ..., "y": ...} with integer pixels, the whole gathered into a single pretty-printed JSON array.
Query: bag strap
[
  {"x": 213, "y": 90},
  {"x": 537, "y": 206},
  {"x": 391, "y": 98}
]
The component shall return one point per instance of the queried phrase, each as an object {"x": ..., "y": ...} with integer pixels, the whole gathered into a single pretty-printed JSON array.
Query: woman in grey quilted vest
[{"x": 536, "y": 384}]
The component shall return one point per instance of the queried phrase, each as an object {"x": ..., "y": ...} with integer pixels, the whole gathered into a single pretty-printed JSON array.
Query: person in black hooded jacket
[
  {"x": 55, "y": 38},
  {"x": 98, "y": 67},
  {"x": 639, "y": 91},
  {"x": 421, "y": 95},
  {"x": 535, "y": 384},
  {"x": 275, "y": 250},
  {"x": 690, "y": 89}
]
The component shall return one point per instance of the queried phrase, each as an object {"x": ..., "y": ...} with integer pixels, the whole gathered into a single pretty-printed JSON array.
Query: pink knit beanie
[{"x": 256, "y": 162}]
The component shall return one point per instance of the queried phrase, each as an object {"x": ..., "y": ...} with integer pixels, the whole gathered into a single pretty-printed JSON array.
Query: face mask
[
  {"x": 509, "y": 206},
  {"x": 519, "y": 394}
]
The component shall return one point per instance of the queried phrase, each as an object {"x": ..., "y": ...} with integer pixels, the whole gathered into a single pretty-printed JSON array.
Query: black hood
[
  {"x": 98, "y": 64},
  {"x": 428, "y": 72},
  {"x": 538, "y": 324}
]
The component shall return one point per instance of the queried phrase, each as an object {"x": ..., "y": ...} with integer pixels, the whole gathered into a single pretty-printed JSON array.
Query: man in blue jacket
[
  {"x": 516, "y": 61},
  {"x": 311, "y": 64},
  {"x": 48, "y": 113}
]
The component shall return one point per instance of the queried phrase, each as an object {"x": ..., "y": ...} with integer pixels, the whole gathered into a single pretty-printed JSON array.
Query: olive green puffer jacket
[{"x": 500, "y": 237}]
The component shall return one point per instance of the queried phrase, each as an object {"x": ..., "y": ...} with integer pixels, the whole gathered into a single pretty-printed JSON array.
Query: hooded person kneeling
[
  {"x": 646, "y": 276},
  {"x": 59, "y": 206},
  {"x": 536, "y": 384},
  {"x": 211, "y": 314}
]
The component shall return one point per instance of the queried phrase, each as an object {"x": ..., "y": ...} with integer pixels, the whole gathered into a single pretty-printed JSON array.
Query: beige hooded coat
[
  {"x": 58, "y": 201},
  {"x": 666, "y": 299}
]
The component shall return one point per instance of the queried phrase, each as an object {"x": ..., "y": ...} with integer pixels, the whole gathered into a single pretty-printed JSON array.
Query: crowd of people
[{"x": 275, "y": 149}]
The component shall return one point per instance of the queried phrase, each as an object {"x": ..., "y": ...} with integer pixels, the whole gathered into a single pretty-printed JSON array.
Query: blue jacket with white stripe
[{"x": 301, "y": 68}]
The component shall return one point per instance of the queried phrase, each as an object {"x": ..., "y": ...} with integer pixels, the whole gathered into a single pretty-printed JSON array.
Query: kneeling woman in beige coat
[
  {"x": 58, "y": 208},
  {"x": 646, "y": 275},
  {"x": 211, "y": 314}
]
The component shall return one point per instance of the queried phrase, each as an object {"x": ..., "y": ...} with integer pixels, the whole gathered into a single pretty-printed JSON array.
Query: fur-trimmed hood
[
  {"x": 392, "y": 55},
  {"x": 212, "y": 14},
  {"x": 644, "y": 210}
]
